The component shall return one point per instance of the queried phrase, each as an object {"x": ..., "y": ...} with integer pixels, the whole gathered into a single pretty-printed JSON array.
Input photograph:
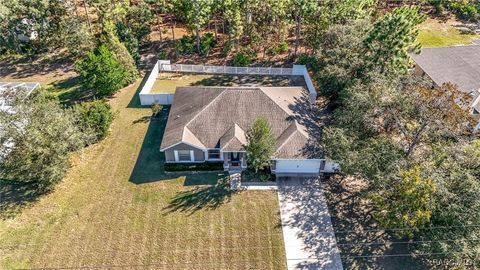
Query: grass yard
[
  {"x": 167, "y": 82},
  {"x": 117, "y": 208},
  {"x": 434, "y": 33}
]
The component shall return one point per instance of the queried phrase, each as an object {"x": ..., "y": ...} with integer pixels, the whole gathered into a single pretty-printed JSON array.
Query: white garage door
[{"x": 297, "y": 166}]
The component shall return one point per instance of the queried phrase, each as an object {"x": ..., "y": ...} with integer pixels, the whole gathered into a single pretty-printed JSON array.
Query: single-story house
[
  {"x": 459, "y": 65},
  {"x": 209, "y": 124}
]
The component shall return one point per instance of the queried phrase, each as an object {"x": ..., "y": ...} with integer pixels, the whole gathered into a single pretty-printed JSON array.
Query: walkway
[{"x": 307, "y": 228}]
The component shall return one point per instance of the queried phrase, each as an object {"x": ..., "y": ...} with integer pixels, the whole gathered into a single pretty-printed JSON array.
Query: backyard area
[
  {"x": 117, "y": 208},
  {"x": 436, "y": 33},
  {"x": 167, "y": 82}
]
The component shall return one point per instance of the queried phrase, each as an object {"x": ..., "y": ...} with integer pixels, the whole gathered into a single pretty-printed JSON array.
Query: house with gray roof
[
  {"x": 459, "y": 65},
  {"x": 209, "y": 124}
]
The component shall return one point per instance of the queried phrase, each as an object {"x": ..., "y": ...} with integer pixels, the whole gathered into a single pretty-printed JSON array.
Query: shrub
[
  {"x": 227, "y": 47},
  {"x": 156, "y": 109},
  {"x": 280, "y": 48},
  {"x": 95, "y": 115},
  {"x": 241, "y": 59},
  {"x": 162, "y": 55},
  {"x": 310, "y": 61},
  {"x": 208, "y": 166},
  {"x": 207, "y": 42},
  {"x": 186, "y": 44},
  {"x": 101, "y": 72}
]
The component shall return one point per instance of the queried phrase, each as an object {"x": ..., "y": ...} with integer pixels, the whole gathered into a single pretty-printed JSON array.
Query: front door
[{"x": 235, "y": 158}]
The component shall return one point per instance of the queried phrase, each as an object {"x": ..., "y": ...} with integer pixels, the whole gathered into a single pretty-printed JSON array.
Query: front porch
[{"x": 234, "y": 161}]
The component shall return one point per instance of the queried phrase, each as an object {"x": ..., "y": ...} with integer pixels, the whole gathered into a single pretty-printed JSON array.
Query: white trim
[
  {"x": 177, "y": 159},
  {"x": 214, "y": 159},
  {"x": 180, "y": 142}
]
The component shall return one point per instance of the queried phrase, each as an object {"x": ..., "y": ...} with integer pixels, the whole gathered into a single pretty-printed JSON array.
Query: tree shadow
[
  {"x": 135, "y": 101},
  {"x": 70, "y": 91},
  {"x": 313, "y": 118},
  {"x": 358, "y": 234},
  {"x": 229, "y": 80},
  {"x": 199, "y": 198},
  {"x": 25, "y": 67},
  {"x": 149, "y": 166},
  {"x": 15, "y": 196}
]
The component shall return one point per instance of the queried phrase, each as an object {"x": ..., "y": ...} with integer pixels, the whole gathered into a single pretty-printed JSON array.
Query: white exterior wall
[
  {"x": 307, "y": 166},
  {"x": 310, "y": 166},
  {"x": 147, "y": 98}
]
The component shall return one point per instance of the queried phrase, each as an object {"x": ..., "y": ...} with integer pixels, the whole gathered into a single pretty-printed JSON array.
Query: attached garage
[
  {"x": 304, "y": 166},
  {"x": 297, "y": 166}
]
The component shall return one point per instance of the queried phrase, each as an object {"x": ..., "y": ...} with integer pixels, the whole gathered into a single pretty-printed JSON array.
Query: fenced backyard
[{"x": 162, "y": 89}]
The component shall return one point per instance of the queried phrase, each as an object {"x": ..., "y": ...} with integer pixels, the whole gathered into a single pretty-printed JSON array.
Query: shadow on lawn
[
  {"x": 149, "y": 166},
  {"x": 15, "y": 196},
  {"x": 200, "y": 198}
]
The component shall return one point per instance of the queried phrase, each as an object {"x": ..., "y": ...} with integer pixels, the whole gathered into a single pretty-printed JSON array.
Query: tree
[
  {"x": 407, "y": 204},
  {"x": 260, "y": 144},
  {"x": 420, "y": 115},
  {"x": 125, "y": 35},
  {"x": 95, "y": 117},
  {"x": 40, "y": 135},
  {"x": 302, "y": 8},
  {"x": 138, "y": 17},
  {"x": 391, "y": 39},
  {"x": 195, "y": 14},
  {"x": 77, "y": 37},
  {"x": 102, "y": 72}
]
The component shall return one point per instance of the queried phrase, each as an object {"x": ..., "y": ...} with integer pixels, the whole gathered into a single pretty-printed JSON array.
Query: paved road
[{"x": 307, "y": 228}]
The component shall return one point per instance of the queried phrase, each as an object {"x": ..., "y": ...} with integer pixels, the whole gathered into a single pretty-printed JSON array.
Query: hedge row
[{"x": 208, "y": 166}]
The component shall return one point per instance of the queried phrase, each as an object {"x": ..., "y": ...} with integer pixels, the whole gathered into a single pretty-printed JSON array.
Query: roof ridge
[{"x": 278, "y": 105}]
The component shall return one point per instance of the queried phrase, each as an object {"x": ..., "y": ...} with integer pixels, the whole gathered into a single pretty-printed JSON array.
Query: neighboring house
[
  {"x": 209, "y": 124},
  {"x": 459, "y": 65}
]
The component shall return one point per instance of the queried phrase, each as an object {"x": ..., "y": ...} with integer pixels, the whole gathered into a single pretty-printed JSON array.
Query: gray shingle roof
[
  {"x": 218, "y": 117},
  {"x": 457, "y": 64}
]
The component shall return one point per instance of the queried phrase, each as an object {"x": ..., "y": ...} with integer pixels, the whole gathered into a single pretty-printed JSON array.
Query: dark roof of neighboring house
[
  {"x": 219, "y": 117},
  {"x": 457, "y": 64}
]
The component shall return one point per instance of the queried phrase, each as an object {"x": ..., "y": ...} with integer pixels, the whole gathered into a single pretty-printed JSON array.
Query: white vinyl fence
[{"x": 148, "y": 98}]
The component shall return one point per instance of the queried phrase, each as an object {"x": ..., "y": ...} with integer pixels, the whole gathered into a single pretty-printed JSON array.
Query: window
[
  {"x": 214, "y": 154},
  {"x": 184, "y": 155}
]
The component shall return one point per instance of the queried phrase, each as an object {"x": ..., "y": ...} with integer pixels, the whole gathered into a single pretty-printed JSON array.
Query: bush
[
  {"x": 162, "y": 55},
  {"x": 186, "y": 44},
  {"x": 310, "y": 61},
  {"x": 207, "y": 42},
  {"x": 263, "y": 175},
  {"x": 280, "y": 48},
  {"x": 96, "y": 116},
  {"x": 156, "y": 109},
  {"x": 208, "y": 166},
  {"x": 241, "y": 59},
  {"x": 102, "y": 72},
  {"x": 227, "y": 47}
]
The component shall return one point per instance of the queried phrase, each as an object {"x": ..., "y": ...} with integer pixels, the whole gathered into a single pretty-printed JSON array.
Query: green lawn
[
  {"x": 117, "y": 207},
  {"x": 168, "y": 82},
  {"x": 439, "y": 34}
]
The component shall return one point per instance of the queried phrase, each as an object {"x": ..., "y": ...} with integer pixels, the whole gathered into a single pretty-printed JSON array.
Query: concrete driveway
[{"x": 307, "y": 228}]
